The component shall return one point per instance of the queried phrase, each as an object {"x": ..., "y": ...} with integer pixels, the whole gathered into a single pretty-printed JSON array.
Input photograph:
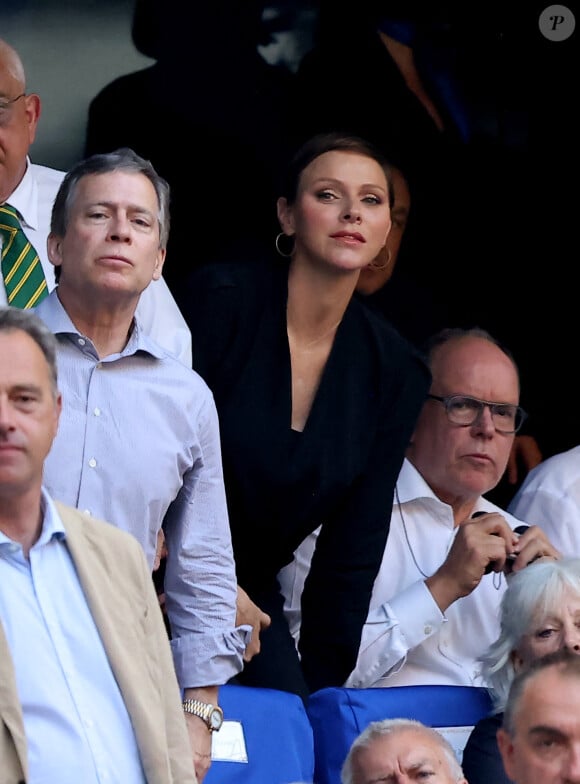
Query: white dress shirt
[
  {"x": 406, "y": 639},
  {"x": 157, "y": 310},
  {"x": 550, "y": 498}
]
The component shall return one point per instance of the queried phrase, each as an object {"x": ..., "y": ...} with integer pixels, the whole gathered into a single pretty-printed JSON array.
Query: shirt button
[
  {"x": 82, "y": 341},
  {"x": 97, "y": 412},
  {"x": 427, "y": 629},
  {"x": 92, "y": 462}
]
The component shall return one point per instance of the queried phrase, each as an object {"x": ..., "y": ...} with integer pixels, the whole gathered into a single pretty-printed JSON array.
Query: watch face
[{"x": 215, "y": 720}]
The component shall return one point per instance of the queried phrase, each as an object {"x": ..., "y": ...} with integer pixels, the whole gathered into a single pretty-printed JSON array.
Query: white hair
[
  {"x": 532, "y": 595},
  {"x": 378, "y": 729}
]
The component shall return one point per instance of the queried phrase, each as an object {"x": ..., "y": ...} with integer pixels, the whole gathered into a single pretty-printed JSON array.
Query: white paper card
[
  {"x": 457, "y": 737},
  {"x": 228, "y": 744}
]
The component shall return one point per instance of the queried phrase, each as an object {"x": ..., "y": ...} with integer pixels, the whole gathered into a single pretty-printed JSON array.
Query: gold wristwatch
[{"x": 212, "y": 715}]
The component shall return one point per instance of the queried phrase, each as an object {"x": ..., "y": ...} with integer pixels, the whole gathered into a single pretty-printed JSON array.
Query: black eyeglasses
[{"x": 463, "y": 410}]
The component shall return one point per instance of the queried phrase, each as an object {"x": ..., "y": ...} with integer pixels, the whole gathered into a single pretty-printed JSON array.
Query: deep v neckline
[{"x": 320, "y": 374}]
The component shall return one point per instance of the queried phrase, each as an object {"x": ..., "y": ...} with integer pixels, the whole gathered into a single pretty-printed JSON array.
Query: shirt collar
[
  {"x": 24, "y": 198},
  {"x": 411, "y": 487},
  {"x": 52, "y": 525},
  {"x": 52, "y": 312}
]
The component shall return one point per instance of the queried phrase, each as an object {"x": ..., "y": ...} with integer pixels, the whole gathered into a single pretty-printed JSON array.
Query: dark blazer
[
  {"x": 482, "y": 763},
  {"x": 339, "y": 472}
]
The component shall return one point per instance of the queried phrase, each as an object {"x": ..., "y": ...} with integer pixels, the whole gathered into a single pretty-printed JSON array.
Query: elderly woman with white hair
[{"x": 540, "y": 613}]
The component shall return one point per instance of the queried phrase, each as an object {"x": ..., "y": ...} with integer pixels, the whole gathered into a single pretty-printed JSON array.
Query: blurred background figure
[
  {"x": 214, "y": 118},
  {"x": 550, "y": 497}
]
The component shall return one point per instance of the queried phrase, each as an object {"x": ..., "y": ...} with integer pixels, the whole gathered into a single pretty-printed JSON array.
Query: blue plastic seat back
[
  {"x": 339, "y": 715},
  {"x": 277, "y": 734}
]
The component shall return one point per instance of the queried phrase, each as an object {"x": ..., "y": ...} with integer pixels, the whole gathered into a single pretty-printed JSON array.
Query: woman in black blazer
[{"x": 317, "y": 397}]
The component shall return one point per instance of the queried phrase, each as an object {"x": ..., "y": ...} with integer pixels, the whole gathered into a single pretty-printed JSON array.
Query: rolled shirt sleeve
[{"x": 200, "y": 578}]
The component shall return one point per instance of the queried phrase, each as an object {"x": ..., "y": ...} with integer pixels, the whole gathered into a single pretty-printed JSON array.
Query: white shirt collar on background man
[
  {"x": 158, "y": 312},
  {"x": 550, "y": 498}
]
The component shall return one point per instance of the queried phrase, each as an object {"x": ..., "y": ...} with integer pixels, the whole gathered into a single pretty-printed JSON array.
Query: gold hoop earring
[
  {"x": 380, "y": 267},
  {"x": 280, "y": 251}
]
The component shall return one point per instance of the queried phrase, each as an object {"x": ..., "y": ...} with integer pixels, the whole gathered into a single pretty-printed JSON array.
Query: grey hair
[
  {"x": 124, "y": 159},
  {"x": 15, "y": 319},
  {"x": 563, "y": 660},
  {"x": 10, "y": 59},
  {"x": 378, "y": 729},
  {"x": 532, "y": 595},
  {"x": 449, "y": 334}
]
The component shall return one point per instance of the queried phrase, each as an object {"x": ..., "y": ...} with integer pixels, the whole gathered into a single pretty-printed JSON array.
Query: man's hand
[
  {"x": 160, "y": 555},
  {"x": 160, "y": 551},
  {"x": 533, "y": 545},
  {"x": 480, "y": 542},
  {"x": 199, "y": 734},
  {"x": 250, "y": 614}
]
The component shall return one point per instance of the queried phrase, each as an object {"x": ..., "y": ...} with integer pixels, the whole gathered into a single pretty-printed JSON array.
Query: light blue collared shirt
[
  {"x": 76, "y": 723},
  {"x": 138, "y": 446}
]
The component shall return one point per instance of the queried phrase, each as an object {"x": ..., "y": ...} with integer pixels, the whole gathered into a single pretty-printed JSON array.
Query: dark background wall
[
  {"x": 73, "y": 48},
  {"x": 70, "y": 50}
]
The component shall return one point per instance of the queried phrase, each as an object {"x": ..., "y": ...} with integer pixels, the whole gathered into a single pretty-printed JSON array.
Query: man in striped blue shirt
[{"x": 138, "y": 442}]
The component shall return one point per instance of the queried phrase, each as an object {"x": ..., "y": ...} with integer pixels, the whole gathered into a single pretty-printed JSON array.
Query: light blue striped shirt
[
  {"x": 138, "y": 446},
  {"x": 76, "y": 723}
]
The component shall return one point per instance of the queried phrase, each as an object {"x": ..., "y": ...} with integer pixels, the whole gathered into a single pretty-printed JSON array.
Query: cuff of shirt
[
  {"x": 417, "y": 612},
  {"x": 391, "y": 631},
  {"x": 210, "y": 659}
]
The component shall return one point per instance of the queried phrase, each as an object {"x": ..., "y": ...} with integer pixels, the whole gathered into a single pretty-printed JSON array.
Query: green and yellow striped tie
[{"x": 21, "y": 268}]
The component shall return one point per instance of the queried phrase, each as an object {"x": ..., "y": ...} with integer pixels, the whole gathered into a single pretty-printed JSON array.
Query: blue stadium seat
[
  {"x": 277, "y": 735},
  {"x": 338, "y": 715}
]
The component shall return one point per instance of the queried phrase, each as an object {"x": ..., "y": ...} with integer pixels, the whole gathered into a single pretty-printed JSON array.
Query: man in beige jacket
[{"x": 88, "y": 691}]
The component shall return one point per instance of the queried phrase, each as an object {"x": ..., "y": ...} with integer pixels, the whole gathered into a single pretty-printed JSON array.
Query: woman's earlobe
[{"x": 284, "y": 216}]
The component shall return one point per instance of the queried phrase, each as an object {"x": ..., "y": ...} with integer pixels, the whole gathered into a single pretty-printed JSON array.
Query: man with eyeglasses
[
  {"x": 435, "y": 603},
  {"x": 28, "y": 190}
]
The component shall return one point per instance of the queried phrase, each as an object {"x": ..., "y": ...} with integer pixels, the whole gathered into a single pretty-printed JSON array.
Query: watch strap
[{"x": 202, "y": 710}]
